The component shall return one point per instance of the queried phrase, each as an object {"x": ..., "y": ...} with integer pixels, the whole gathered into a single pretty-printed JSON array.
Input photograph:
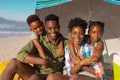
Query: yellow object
[
  {"x": 116, "y": 66},
  {"x": 2, "y": 67}
]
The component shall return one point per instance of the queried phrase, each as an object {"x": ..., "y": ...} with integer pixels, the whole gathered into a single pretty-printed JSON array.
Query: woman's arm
[{"x": 82, "y": 63}]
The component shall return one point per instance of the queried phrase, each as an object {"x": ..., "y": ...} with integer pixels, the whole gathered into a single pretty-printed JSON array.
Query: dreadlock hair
[
  {"x": 99, "y": 23},
  {"x": 77, "y": 22},
  {"x": 33, "y": 18}
]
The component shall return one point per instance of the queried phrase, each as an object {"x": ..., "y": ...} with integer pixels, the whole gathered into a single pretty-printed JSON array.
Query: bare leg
[
  {"x": 81, "y": 77},
  {"x": 38, "y": 77},
  {"x": 55, "y": 76},
  {"x": 15, "y": 66},
  {"x": 9, "y": 71}
]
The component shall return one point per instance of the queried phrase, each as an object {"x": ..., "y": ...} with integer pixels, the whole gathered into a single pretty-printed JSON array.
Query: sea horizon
[{"x": 11, "y": 30}]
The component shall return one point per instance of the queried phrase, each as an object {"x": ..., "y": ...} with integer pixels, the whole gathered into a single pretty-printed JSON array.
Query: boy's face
[
  {"x": 77, "y": 35},
  {"x": 52, "y": 29},
  {"x": 95, "y": 33},
  {"x": 36, "y": 27}
]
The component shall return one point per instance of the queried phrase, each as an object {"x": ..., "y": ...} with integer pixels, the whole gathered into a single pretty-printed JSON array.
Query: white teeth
[
  {"x": 77, "y": 39},
  {"x": 52, "y": 34}
]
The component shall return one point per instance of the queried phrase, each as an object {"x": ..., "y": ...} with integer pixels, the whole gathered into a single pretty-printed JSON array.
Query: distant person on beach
[{"x": 30, "y": 55}]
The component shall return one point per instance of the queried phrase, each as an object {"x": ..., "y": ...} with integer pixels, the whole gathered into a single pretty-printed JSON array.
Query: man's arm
[
  {"x": 35, "y": 60},
  {"x": 27, "y": 55}
]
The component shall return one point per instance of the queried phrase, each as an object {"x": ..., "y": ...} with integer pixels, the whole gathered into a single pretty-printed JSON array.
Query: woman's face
[{"x": 77, "y": 35}]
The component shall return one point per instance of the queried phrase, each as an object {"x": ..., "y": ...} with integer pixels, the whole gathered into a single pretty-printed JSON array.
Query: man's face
[
  {"x": 52, "y": 29},
  {"x": 37, "y": 27}
]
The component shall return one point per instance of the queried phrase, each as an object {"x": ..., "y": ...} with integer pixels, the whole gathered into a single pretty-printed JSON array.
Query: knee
[
  {"x": 51, "y": 76},
  {"x": 74, "y": 77},
  {"x": 12, "y": 63},
  {"x": 13, "y": 60},
  {"x": 34, "y": 77}
]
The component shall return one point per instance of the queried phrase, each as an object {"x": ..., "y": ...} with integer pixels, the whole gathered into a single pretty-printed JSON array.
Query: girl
[{"x": 96, "y": 29}]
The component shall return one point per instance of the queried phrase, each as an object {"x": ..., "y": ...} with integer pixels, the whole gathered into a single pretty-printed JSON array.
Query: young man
[{"x": 29, "y": 55}]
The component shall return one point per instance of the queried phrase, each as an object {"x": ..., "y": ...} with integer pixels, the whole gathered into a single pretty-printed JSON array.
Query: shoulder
[
  {"x": 99, "y": 45},
  {"x": 29, "y": 44},
  {"x": 43, "y": 38},
  {"x": 34, "y": 35},
  {"x": 87, "y": 46},
  {"x": 66, "y": 41},
  {"x": 66, "y": 48},
  {"x": 87, "y": 39},
  {"x": 100, "y": 42}
]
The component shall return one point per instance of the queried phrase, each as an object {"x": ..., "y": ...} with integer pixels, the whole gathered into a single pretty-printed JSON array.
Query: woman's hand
[{"x": 89, "y": 61}]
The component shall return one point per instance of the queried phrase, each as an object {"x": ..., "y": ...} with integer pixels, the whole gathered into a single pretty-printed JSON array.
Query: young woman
[{"x": 77, "y": 29}]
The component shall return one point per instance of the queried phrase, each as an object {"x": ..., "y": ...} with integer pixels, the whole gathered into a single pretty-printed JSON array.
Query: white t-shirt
[{"x": 34, "y": 35}]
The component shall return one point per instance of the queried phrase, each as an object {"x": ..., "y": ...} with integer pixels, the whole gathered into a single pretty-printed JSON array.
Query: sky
[{"x": 17, "y": 10}]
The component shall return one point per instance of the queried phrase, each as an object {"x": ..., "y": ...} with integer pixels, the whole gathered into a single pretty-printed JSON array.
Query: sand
[{"x": 11, "y": 45}]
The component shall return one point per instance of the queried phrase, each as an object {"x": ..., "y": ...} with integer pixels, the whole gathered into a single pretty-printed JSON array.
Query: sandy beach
[{"x": 11, "y": 45}]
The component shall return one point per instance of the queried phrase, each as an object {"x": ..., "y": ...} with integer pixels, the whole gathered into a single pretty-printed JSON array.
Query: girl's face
[
  {"x": 77, "y": 35},
  {"x": 95, "y": 33},
  {"x": 37, "y": 27}
]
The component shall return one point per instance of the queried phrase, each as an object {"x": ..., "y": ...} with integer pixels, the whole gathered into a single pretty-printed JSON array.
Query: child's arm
[
  {"x": 39, "y": 48},
  {"x": 81, "y": 64},
  {"x": 61, "y": 51},
  {"x": 98, "y": 50},
  {"x": 86, "y": 68}
]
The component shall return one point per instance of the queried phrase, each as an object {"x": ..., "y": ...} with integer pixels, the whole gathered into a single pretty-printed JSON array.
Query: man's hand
[{"x": 46, "y": 63}]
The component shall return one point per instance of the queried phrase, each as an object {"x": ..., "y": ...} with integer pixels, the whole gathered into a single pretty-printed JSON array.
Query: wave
[
  {"x": 7, "y": 26},
  {"x": 14, "y": 32}
]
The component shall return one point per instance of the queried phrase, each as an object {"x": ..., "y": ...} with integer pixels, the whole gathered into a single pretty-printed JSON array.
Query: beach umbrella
[{"x": 100, "y": 10}]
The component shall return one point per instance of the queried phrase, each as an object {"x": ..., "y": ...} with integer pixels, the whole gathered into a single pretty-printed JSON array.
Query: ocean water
[{"x": 11, "y": 30}]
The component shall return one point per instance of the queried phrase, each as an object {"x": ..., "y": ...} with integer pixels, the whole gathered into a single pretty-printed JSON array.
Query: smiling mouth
[
  {"x": 77, "y": 40},
  {"x": 53, "y": 35}
]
